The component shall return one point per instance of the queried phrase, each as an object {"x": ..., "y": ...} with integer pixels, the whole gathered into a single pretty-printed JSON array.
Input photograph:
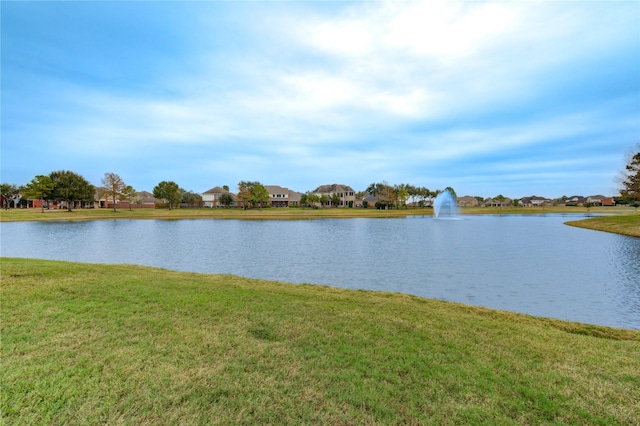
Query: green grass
[
  {"x": 275, "y": 213},
  {"x": 116, "y": 344},
  {"x": 624, "y": 224},
  {"x": 204, "y": 213}
]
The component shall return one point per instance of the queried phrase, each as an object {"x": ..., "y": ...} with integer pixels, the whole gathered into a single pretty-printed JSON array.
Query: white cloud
[{"x": 372, "y": 90}]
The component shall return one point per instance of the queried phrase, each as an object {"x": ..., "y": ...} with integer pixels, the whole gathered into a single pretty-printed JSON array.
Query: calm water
[{"x": 529, "y": 264}]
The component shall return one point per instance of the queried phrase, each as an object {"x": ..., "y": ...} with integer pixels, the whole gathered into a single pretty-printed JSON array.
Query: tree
[
  {"x": 9, "y": 192},
  {"x": 312, "y": 199},
  {"x": 226, "y": 199},
  {"x": 260, "y": 195},
  {"x": 401, "y": 194},
  {"x": 413, "y": 192},
  {"x": 424, "y": 194},
  {"x": 388, "y": 195},
  {"x": 631, "y": 177},
  {"x": 191, "y": 199},
  {"x": 114, "y": 186},
  {"x": 169, "y": 192},
  {"x": 335, "y": 199},
  {"x": 252, "y": 193},
  {"x": 452, "y": 191},
  {"x": 500, "y": 199},
  {"x": 40, "y": 187},
  {"x": 71, "y": 187},
  {"x": 129, "y": 192},
  {"x": 375, "y": 189},
  {"x": 244, "y": 193},
  {"x": 384, "y": 192}
]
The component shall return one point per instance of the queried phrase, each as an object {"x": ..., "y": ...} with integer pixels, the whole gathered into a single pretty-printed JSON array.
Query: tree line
[{"x": 74, "y": 190}]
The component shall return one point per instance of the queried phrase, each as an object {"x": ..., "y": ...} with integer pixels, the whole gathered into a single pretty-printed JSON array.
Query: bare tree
[{"x": 114, "y": 186}]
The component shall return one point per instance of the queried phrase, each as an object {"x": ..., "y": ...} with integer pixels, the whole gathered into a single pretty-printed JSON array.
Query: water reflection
[{"x": 535, "y": 265}]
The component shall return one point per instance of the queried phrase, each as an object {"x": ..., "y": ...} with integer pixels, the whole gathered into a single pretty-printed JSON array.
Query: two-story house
[
  {"x": 282, "y": 197},
  {"x": 211, "y": 197},
  {"x": 345, "y": 194}
]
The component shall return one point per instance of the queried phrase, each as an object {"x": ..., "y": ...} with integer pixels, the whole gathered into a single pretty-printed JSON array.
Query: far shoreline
[{"x": 620, "y": 220}]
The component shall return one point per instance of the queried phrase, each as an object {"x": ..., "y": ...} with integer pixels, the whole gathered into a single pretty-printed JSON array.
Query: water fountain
[{"x": 445, "y": 206}]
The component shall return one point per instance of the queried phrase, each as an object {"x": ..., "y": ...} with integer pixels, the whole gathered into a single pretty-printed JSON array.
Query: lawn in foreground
[{"x": 86, "y": 344}]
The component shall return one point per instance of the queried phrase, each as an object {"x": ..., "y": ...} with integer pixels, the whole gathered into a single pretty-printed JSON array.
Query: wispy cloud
[{"x": 301, "y": 94}]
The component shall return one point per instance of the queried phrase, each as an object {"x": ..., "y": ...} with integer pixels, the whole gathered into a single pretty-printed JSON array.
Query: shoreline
[{"x": 619, "y": 220}]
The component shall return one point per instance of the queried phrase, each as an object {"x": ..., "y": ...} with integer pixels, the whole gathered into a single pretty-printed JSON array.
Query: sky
[{"x": 514, "y": 98}]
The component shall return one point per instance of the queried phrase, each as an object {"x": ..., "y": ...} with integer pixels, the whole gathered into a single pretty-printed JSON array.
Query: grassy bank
[
  {"x": 204, "y": 213},
  {"x": 112, "y": 344},
  {"x": 276, "y": 213},
  {"x": 624, "y": 224}
]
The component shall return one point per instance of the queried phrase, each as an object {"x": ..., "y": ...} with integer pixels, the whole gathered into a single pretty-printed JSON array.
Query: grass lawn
[
  {"x": 116, "y": 344},
  {"x": 277, "y": 213},
  {"x": 624, "y": 224}
]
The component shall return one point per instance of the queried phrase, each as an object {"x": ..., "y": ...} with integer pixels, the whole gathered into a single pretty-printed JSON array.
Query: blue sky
[{"x": 513, "y": 98}]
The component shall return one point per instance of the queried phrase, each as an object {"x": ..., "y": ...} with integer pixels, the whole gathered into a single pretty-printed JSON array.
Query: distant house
[
  {"x": 370, "y": 201},
  {"x": 145, "y": 199},
  {"x": 600, "y": 200},
  {"x": 534, "y": 201},
  {"x": 345, "y": 193},
  {"x": 141, "y": 200},
  {"x": 467, "y": 201},
  {"x": 490, "y": 202},
  {"x": 575, "y": 200},
  {"x": 282, "y": 197},
  {"x": 211, "y": 197}
]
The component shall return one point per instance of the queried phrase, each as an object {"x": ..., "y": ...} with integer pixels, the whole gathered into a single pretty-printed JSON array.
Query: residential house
[
  {"x": 371, "y": 201},
  {"x": 467, "y": 201},
  {"x": 282, "y": 197},
  {"x": 144, "y": 200},
  {"x": 211, "y": 197},
  {"x": 576, "y": 200},
  {"x": 600, "y": 200},
  {"x": 141, "y": 200},
  {"x": 345, "y": 193},
  {"x": 534, "y": 201},
  {"x": 490, "y": 202}
]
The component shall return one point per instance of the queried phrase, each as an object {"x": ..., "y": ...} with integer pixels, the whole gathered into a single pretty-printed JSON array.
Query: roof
[
  {"x": 295, "y": 196},
  {"x": 336, "y": 187},
  {"x": 275, "y": 189},
  {"x": 216, "y": 190},
  {"x": 146, "y": 197}
]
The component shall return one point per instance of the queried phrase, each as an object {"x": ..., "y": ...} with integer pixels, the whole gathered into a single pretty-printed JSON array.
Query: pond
[{"x": 529, "y": 264}]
